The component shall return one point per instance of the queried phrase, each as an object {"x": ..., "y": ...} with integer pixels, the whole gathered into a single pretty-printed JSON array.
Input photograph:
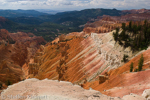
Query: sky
[{"x": 74, "y": 4}]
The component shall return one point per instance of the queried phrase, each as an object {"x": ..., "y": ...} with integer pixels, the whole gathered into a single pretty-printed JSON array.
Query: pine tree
[
  {"x": 131, "y": 67},
  {"x": 140, "y": 65},
  {"x": 125, "y": 58},
  {"x": 123, "y": 35},
  {"x": 145, "y": 23},
  {"x": 115, "y": 35},
  {"x": 130, "y": 26},
  {"x": 124, "y": 26},
  {"x": 148, "y": 34}
]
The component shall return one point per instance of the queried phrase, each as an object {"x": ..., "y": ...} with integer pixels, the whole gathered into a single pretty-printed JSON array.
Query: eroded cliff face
[
  {"x": 105, "y": 23},
  {"x": 122, "y": 82},
  {"x": 16, "y": 49},
  {"x": 90, "y": 58},
  {"x": 119, "y": 81},
  {"x": 78, "y": 59},
  {"x": 92, "y": 61},
  {"x": 137, "y": 11}
]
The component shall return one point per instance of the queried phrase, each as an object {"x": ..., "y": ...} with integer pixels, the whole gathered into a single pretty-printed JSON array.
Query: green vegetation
[
  {"x": 20, "y": 13},
  {"x": 131, "y": 67},
  {"x": 49, "y": 31},
  {"x": 83, "y": 15},
  {"x": 140, "y": 65},
  {"x": 125, "y": 58},
  {"x": 116, "y": 35},
  {"x": 136, "y": 36},
  {"x": 50, "y": 26}
]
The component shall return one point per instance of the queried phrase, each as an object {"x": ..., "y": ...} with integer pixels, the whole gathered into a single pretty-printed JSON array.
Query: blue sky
[{"x": 74, "y": 4}]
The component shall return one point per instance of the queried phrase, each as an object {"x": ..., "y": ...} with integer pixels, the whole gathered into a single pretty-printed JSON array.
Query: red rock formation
[
  {"x": 90, "y": 55},
  {"x": 122, "y": 82},
  {"x": 82, "y": 58},
  {"x": 136, "y": 11},
  {"x": 16, "y": 49},
  {"x": 2, "y": 19},
  {"x": 102, "y": 79},
  {"x": 107, "y": 23},
  {"x": 103, "y": 25}
]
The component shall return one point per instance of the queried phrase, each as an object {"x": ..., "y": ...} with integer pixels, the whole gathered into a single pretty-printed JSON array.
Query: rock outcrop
[
  {"x": 102, "y": 78},
  {"x": 54, "y": 90}
]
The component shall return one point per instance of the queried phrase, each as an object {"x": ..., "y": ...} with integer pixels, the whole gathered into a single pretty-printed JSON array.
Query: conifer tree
[
  {"x": 130, "y": 26},
  {"x": 131, "y": 67},
  {"x": 140, "y": 65},
  {"x": 123, "y": 26},
  {"x": 125, "y": 58}
]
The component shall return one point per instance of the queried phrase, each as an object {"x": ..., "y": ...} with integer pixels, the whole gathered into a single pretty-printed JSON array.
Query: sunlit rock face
[
  {"x": 34, "y": 89},
  {"x": 86, "y": 57},
  {"x": 123, "y": 82},
  {"x": 89, "y": 57}
]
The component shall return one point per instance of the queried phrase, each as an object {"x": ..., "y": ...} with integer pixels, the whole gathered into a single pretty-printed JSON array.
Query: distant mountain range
[
  {"x": 48, "y": 11},
  {"x": 50, "y": 25},
  {"x": 20, "y": 13}
]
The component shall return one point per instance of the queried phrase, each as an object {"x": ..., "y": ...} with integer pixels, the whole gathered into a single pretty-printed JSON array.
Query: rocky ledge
[{"x": 34, "y": 89}]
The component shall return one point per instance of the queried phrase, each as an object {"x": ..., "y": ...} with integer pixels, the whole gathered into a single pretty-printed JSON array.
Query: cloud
[
  {"x": 19, "y": 0},
  {"x": 121, "y": 4},
  {"x": 73, "y": 4}
]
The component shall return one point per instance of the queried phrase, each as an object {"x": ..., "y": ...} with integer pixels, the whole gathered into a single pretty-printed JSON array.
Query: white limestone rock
[
  {"x": 133, "y": 97},
  {"x": 146, "y": 93}
]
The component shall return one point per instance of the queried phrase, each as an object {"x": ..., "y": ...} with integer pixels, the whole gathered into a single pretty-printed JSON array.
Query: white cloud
[{"x": 73, "y": 4}]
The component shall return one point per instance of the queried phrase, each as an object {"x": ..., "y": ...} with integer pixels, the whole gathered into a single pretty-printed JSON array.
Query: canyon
[
  {"x": 16, "y": 49},
  {"x": 94, "y": 64},
  {"x": 90, "y": 59}
]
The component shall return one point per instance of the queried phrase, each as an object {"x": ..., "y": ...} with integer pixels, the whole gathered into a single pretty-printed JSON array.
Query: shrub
[{"x": 125, "y": 58}]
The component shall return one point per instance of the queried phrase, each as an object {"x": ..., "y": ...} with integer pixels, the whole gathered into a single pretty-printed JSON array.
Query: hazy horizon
[
  {"x": 69, "y": 5},
  {"x": 69, "y": 10}
]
